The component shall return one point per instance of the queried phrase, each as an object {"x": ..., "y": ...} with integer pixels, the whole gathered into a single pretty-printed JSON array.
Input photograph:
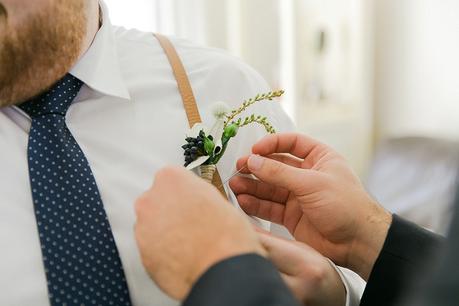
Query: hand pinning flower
[{"x": 206, "y": 147}]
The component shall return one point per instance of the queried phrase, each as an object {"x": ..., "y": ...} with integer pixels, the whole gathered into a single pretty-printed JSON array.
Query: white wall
[
  {"x": 417, "y": 67},
  {"x": 344, "y": 118},
  {"x": 140, "y": 14}
]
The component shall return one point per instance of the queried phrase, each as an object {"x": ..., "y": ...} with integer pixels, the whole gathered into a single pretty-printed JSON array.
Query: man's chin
[
  {"x": 12, "y": 95},
  {"x": 3, "y": 12},
  {"x": 11, "y": 99},
  {"x": 36, "y": 54},
  {"x": 23, "y": 89}
]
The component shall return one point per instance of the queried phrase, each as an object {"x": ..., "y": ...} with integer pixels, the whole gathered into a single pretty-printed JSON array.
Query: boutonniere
[{"x": 206, "y": 146}]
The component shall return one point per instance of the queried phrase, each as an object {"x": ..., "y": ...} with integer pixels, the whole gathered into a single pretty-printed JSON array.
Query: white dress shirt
[{"x": 129, "y": 121}]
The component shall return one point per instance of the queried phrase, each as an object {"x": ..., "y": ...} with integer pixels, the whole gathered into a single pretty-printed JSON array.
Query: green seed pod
[{"x": 231, "y": 131}]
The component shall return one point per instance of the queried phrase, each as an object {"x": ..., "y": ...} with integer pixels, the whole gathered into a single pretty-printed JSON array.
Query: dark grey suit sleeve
[
  {"x": 442, "y": 287},
  {"x": 408, "y": 253},
  {"x": 247, "y": 280}
]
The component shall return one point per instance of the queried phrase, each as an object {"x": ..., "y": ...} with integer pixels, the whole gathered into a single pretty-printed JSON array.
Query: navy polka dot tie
[{"x": 81, "y": 260}]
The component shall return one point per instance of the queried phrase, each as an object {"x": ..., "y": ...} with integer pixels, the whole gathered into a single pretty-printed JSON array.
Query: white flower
[{"x": 220, "y": 110}]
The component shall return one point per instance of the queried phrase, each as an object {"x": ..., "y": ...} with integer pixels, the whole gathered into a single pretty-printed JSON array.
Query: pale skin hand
[
  {"x": 184, "y": 226},
  {"x": 309, "y": 188},
  {"x": 310, "y": 276}
]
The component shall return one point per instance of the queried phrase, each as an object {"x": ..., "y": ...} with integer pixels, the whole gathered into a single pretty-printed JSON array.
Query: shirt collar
[{"x": 99, "y": 67}]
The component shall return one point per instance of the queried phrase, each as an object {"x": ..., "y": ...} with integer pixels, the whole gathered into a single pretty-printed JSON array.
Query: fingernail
[{"x": 255, "y": 162}]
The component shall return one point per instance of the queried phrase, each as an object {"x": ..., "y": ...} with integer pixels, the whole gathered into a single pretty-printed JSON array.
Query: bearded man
[{"x": 88, "y": 113}]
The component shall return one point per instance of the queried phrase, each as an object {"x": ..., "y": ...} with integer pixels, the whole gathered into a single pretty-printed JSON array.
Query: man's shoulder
[{"x": 134, "y": 44}]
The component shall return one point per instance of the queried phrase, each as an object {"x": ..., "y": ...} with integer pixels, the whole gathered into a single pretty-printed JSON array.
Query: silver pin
[{"x": 233, "y": 175}]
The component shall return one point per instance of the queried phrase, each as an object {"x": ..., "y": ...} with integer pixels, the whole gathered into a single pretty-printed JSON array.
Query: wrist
[
  {"x": 369, "y": 240},
  {"x": 333, "y": 287}
]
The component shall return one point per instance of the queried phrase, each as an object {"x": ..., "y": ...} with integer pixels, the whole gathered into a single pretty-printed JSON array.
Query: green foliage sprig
[
  {"x": 205, "y": 146},
  {"x": 260, "y": 97},
  {"x": 256, "y": 119}
]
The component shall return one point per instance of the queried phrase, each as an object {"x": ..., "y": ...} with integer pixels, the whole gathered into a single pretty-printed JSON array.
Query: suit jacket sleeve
[
  {"x": 402, "y": 260},
  {"x": 247, "y": 280},
  {"x": 442, "y": 286}
]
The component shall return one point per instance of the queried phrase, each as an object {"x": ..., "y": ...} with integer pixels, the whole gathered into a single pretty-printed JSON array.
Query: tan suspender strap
[{"x": 189, "y": 101}]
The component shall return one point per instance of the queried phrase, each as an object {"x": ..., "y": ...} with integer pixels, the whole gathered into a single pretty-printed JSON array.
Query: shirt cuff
[{"x": 353, "y": 284}]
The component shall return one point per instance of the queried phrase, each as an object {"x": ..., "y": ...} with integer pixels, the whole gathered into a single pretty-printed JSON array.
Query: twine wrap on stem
[{"x": 207, "y": 172}]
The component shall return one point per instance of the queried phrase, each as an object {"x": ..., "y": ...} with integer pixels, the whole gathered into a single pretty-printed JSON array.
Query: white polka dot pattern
[{"x": 81, "y": 259}]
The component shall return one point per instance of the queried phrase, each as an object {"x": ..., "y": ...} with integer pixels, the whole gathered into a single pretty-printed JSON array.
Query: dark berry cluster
[{"x": 194, "y": 147}]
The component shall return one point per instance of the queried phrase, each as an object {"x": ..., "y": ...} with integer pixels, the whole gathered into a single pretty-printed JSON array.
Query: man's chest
[{"x": 125, "y": 145}]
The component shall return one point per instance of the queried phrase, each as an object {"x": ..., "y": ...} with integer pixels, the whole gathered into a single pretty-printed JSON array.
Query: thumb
[{"x": 276, "y": 173}]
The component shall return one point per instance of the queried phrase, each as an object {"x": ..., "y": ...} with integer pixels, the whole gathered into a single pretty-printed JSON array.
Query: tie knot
[{"x": 56, "y": 100}]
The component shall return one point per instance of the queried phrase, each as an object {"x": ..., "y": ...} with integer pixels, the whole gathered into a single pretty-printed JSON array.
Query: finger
[
  {"x": 292, "y": 284},
  {"x": 241, "y": 165},
  {"x": 287, "y": 159},
  {"x": 302, "y": 290},
  {"x": 284, "y": 254},
  {"x": 266, "y": 210},
  {"x": 298, "y": 145},
  {"x": 261, "y": 190},
  {"x": 278, "y": 174},
  {"x": 259, "y": 229},
  {"x": 143, "y": 205}
]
